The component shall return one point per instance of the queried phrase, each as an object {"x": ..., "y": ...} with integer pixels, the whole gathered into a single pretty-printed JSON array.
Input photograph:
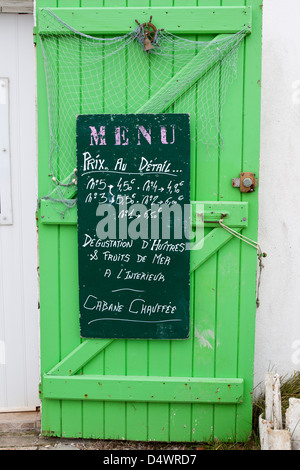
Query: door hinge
[{"x": 246, "y": 182}]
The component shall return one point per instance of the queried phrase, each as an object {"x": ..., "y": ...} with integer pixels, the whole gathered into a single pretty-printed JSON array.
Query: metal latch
[{"x": 246, "y": 182}]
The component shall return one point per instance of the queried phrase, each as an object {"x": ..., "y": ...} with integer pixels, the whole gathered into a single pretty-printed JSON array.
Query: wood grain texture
[
  {"x": 222, "y": 287},
  {"x": 144, "y": 389},
  {"x": 178, "y": 19}
]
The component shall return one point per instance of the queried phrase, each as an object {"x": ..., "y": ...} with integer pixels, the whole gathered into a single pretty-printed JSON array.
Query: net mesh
[{"x": 114, "y": 75}]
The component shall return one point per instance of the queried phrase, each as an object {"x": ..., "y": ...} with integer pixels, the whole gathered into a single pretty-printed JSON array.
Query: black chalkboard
[{"x": 134, "y": 268}]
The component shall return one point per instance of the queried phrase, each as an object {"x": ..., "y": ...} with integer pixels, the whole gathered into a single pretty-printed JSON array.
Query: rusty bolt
[{"x": 247, "y": 182}]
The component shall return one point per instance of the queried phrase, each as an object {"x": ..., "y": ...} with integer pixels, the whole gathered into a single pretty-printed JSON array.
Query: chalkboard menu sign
[{"x": 133, "y": 176}]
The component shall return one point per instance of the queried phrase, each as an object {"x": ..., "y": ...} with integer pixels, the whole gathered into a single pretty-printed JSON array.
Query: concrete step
[{"x": 23, "y": 421}]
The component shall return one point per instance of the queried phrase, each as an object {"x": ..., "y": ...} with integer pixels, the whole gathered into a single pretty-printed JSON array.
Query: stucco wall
[{"x": 278, "y": 318}]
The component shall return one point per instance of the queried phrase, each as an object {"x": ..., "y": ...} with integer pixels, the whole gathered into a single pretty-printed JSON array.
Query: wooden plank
[
  {"x": 207, "y": 175},
  {"x": 227, "y": 307},
  {"x": 48, "y": 258},
  {"x": 158, "y": 351},
  {"x": 293, "y": 422},
  {"x": 79, "y": 357},
  {"x": 138, "y": 352},
  {"x": 115, "y": 357},
  {"x": 143, "y": 389},
  {"x": 181, "y": 357},
  {"x": 136, "y": 412},
  {"x": 56, "y": 213},
  {"x": 71, "y": 413},
  {"x": 263, "y": 426},
  {"x": 93, "y": 413},
  {"x": 236, "y": 214},
  {"x": 279, "y": 439},
  {"x": 269, "y": 396},
  {"x": 277, "y": 411},
  {"x": 212, "y": 243},
  {"x": 16, "y": 6},
  {"x": 182, "y": 20},
  {"x": 70, "y": 190}
]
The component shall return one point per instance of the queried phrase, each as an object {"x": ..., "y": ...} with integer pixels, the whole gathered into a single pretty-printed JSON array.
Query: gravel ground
[{"x": 32, "y": 440}]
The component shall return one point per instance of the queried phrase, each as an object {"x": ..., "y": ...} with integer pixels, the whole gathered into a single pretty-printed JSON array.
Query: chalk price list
[
  {"x": 131, "y": 194},
  {"x": 127, "y": 191}
]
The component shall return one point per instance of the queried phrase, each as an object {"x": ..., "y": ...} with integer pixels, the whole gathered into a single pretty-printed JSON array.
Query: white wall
[
  {"x": 19, "y": 340},
  {"x": 278, "y": 318}
]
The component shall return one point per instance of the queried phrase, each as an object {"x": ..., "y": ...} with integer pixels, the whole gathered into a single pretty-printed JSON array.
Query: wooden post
[
  {"x": 277, "y": 413},
  {"x": 272, "y": 434},
  {"x": 293, "y": 422},
  {"x": 279, "y": 439},
  {"x": 269, "y": 396}
]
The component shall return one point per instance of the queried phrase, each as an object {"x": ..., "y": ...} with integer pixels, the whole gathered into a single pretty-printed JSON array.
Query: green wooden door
[{"x": 181, "y": 390}]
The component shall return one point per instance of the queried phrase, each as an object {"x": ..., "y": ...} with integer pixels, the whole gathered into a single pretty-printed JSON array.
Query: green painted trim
[
  {"x": 248, "y": 264},
  {"x": 56, "y": 213},
  {"x": 183, "y": 20},
  {"x": 143, "y": 389},
  {"x": 215, "y": 240},
  {"x": 79, "y": 357},
  {"x": 70, "y": 192},
  {"x": 236, "y": 213}
]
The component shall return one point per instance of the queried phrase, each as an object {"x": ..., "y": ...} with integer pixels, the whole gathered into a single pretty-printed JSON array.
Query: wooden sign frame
[{"x": 133, "y": 185}]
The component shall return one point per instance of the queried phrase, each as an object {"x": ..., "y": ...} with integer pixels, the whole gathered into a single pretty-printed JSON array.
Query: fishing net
[{"x": 114, "y": 75}]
